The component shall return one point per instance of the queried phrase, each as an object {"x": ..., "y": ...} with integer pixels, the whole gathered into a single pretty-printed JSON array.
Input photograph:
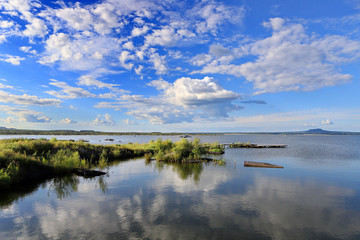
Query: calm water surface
[{"x": 315, "y": 196}]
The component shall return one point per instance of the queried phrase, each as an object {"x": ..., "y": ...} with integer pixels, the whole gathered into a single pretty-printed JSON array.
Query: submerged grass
[{"x": 23, "y": 159}]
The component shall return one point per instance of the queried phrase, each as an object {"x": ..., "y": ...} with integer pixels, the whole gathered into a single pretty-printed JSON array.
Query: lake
[{"x": 315, "y": 196}]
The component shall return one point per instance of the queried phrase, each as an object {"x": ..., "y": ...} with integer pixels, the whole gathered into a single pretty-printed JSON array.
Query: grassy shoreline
[{"x": 22, "y": 159}]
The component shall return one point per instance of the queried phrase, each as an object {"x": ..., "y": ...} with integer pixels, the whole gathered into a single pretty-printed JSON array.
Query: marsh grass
[
  {"x": 20, "y": 158},
  {"x": 181, "y": 151},
  {"x": 25, "y": 158}
]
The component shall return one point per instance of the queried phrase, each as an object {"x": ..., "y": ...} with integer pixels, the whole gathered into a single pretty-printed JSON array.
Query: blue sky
[{"x": 173, "y": 66}]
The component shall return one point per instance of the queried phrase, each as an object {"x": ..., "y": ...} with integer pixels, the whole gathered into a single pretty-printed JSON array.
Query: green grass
[
  {"x": 181, "y": 151},
  {"x": 22, "y": 159}
]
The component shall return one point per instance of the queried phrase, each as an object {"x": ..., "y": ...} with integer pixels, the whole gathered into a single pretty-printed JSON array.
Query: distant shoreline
[{"x": 11, "y": 131}]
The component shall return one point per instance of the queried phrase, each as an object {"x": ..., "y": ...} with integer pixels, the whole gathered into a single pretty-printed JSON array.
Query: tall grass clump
[
  {"x": 66, "y": 158},
  {"x": 180, "y": 151}
]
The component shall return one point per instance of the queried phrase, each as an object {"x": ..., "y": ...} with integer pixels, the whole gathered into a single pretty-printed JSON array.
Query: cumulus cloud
[
  {"x": 105, "y": 119},
  {"x": 6, "y": 24},
  {"x": 191, "y": 92},
  {"x": 76, "y": 17},
  {"x": 130, "y": 122},
  {"x": 163, "y": 37},
  {"x": 27, "y": 49},
  {"x": 124, "y": 57},
  {"x": 182, "y": 101},
  {"x": 73, "y": 108},
  {"x": 36, "y": 27},
  {"x": 87, "y": 37},
  {"x": 78, "y": 52},
  {"x": 139, "y": 31},
  {"x": 326, "y": 122},
  {"x": 159, "y": 63},
  {"x": 14, "y": 60},
  {"x": 67, "y": 121}
]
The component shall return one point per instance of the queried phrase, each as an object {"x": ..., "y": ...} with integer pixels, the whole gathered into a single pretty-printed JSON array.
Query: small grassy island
[{"x": 22, "y": 160}]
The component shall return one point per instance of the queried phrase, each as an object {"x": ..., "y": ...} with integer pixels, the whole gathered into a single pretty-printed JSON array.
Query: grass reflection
[
  {"x": 183, "y": 170},
  {"x": 64, "y": 186}
]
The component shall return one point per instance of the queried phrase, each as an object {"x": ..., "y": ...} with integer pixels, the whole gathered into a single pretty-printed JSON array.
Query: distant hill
[
  {"x": 319, "y": 131},
  {"x": 322, "y": 131}
]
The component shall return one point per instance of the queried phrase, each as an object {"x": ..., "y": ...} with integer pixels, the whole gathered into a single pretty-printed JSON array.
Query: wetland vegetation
[{"x": 28, "y": 159}]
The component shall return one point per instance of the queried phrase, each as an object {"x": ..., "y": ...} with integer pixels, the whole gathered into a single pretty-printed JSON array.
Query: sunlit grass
[{"x": 22, "y": 157}]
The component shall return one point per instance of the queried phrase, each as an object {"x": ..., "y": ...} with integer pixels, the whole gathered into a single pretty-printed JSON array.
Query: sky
[{"x": 180, "y": 66}]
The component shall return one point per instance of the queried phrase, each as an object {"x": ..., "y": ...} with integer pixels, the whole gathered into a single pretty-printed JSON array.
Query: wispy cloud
[
  {"x": 68, "y": 92},
  {"x": 24, "y": 115},
  {"x": 25, "y": 99},
  {"x": 290, "y": 60}
]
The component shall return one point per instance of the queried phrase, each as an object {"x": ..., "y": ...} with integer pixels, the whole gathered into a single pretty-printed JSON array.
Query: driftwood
[
  {"x": 261, "y": 164},
  {"x": 252, "y": 145},
  {"x": 88, "y": 173}
]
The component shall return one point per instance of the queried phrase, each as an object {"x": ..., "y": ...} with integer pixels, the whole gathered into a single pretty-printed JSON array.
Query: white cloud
[
  {"x": 27, "y": 49},
  {"x": 2, "y": 38},
  {"x": 36, "y": 27},
  {"x": 195, "y": 92},
  {"x": 326, "y": 122},
  {"x": 124, "y": 57},
  {"x": 309, "y": 125},
  {"x": 139, "y": 31},
  {"x": 138, "y": 70},
  {"x": 25, "y": 99},
  {"x": 182, "y": 101},
  {"x": 105, "y": 119},
  {"x": 78, "y": 52},
  {"x": 130, "y": 122},
  {"x": 14, "y": 60},
  {"x": 201, "y": 59},
  {"x": 159, "y": 63},
  {"x": 163, "y": 37},
  {"x": 218, "y": 50},
  {"x": 67, "y": 121},
  {"x": 73, "y": 108},
  {"x": 5, "y": 86},
  {"x": 77, "y": 17},
  {"x": 68, "y": 92},
  {"x": 129, "y": 45},
  {"x": 6, "y": 24},
  {"x": 88, "y": 80},
  {"x": 24, "y": 115},
  {"x": 290, "y": 60},
  {"x": 213, "y": 14}
]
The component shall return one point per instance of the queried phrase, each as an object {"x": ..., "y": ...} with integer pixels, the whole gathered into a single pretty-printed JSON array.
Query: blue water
[{"x": 315, "y": 196}]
